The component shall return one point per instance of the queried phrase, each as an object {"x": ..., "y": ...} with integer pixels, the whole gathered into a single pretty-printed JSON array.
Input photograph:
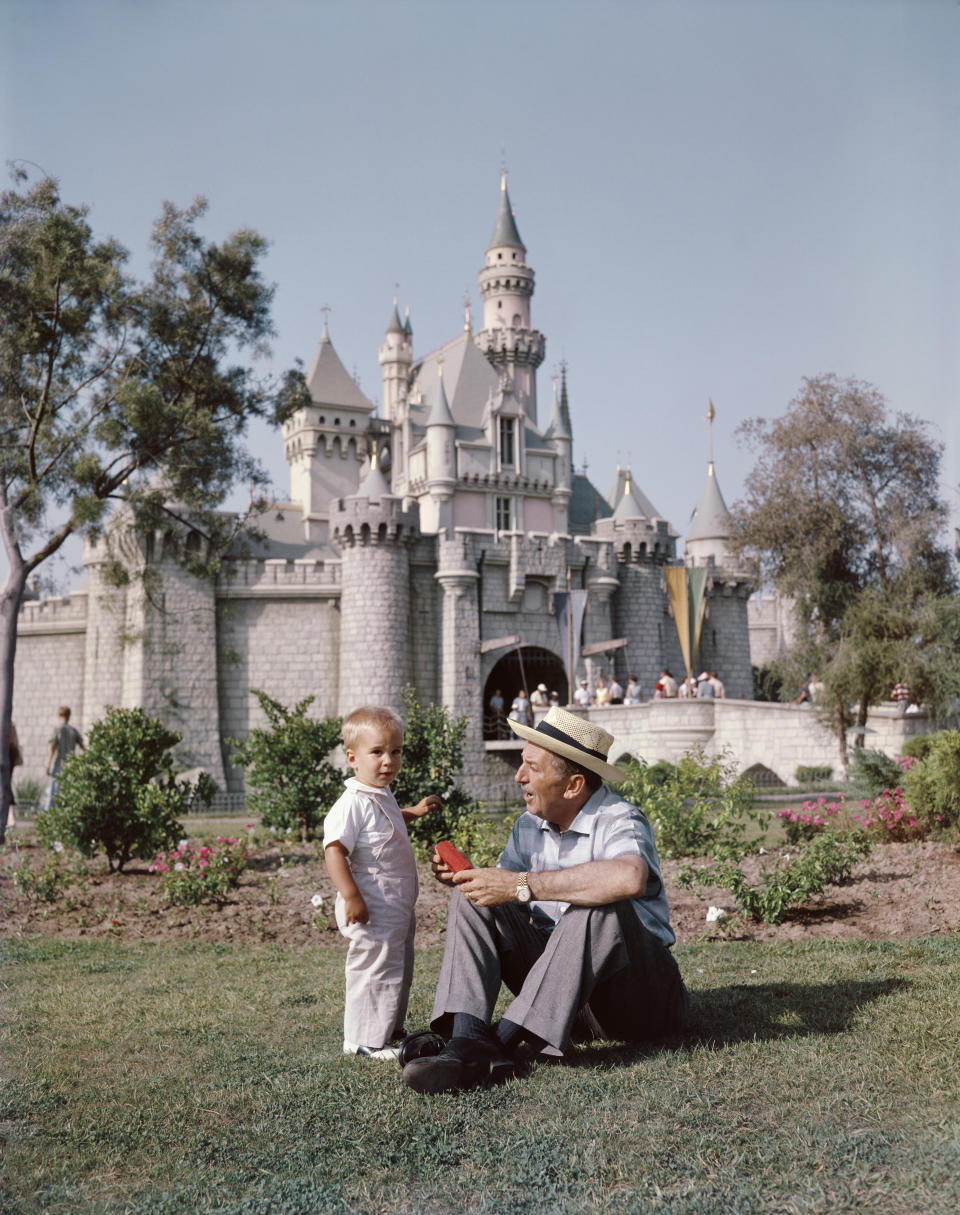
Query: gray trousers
[{"x": 599, "y": 962}]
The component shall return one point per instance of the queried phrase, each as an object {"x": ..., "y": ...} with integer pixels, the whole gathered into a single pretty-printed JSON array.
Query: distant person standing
[
  {"x": 582, "y": 696},
  {"x": 705, "y": 689},
  {"x": 719, "y": 691},
  {"x": 634, "y": 691},
  {"x": 538, "y": 697},
  {"x": 901, "y": 695},
  {"x": 64, "y": 741},
  {"x": 616, "y": 691},
  {"x": 498, "y": 717},
  {"x": 16, "y": 759},
  {"x": 668, "y": 685}
]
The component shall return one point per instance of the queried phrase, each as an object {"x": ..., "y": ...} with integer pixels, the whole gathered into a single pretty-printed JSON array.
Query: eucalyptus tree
[{"x": 114, "y": 390}]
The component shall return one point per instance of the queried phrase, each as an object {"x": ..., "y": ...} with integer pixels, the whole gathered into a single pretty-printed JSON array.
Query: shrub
[
  {"x": 44, "y": 885},
  {"x": 195, "y": 873},
  {"x": 919, "y": 746},
  {"x": 291, "y": 780},
  {"x": 121, "y": 795},
  {"x": 29, "y": 793},
  {"x": 813, "y": 775},
  {"x": 810, "y": 820},
  {"x": 873, "y": 771},
  {"x": 932, "y": 785},
  {"x": 432, "y": 759},
  {"x": 790, "y": 881},
  {"x": 888, "y": 817},
  {"x": 701, "y": 807}
]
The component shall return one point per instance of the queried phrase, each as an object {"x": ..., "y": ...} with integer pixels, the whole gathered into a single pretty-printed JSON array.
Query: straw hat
[{"x": 575, "y": 739}]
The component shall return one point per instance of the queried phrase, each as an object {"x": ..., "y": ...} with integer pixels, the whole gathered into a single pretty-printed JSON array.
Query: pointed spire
[
  {"x": 407, "y": 327},
  {"x": 395, "y": 326},
  {"x": 440, "y": 415},
  {"x": 373, "y": 484},
  {"x": 564, "y": 402},
  {"x": 557, "y": 428},
  {"x": 467, "y": 326},
  {"x": 628, "y": 507},
  {"x": 505, "y": 229}
]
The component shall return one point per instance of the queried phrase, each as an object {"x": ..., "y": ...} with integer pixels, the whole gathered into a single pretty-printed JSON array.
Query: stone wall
[{"x": 50, "y": 663}]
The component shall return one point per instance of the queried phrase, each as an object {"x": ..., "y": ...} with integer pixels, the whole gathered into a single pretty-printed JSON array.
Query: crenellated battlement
[
  {"x": 279, "y": 578},
  {"x": 357, "y": 520},
  {"x": 54, "y": 614}
]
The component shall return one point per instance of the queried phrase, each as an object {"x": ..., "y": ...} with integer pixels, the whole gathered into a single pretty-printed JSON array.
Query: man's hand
[
  {"x": 487, "y": 887},
  {"x": 355, "y": 910},
  {"x": 441, "y": 871},
  {"x": 424, "y": 806}
]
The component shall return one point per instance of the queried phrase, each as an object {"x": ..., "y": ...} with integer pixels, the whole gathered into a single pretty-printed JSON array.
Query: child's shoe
[{"x": 382, "y": 1054}]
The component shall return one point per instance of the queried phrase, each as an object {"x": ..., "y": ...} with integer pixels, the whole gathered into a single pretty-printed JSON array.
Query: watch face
[{"x": 523, "y": 894}]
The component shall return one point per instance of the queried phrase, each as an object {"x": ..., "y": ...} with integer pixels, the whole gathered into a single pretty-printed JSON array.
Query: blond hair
[{"x": 369, "y": 717}]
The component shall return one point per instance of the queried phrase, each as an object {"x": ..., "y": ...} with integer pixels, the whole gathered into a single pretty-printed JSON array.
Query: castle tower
[
  {"x": 441, "y": 459},
  {"x": 506, "y": 286},
  {"x": 708, "y": 540},
  {"x": 373, "y": 533},
  {"x": 396, "y": 357},
  {"x": 559, "y": 437},
  {"x": 325, "y": 443}
]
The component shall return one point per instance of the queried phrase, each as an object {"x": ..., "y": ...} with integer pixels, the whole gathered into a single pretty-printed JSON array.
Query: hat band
[{"x": 552, "y": 732}]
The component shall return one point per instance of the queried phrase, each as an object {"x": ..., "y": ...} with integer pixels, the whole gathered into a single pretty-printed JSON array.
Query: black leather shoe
[
  {"x": 463, "y": 1063},
  {"x": 420, "y": 1046}
]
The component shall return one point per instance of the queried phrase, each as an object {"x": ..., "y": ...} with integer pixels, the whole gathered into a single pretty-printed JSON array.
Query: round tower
[
  {"x": 506, "y": 286},
  {"x": 374, "y": 532},
  {"x": 396, "y": 358}
]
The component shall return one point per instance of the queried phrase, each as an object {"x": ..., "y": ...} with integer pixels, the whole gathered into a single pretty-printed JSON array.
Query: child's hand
[
  {"x": 355, "y": 910},
  {"x": 425, "y": 805}
]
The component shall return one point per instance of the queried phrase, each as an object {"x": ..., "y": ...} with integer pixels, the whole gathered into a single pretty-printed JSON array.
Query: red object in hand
[{"x": 452, "y": 857}]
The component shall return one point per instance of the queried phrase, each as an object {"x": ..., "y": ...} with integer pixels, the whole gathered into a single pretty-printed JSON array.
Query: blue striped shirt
[{"x": 606, "y": 827}]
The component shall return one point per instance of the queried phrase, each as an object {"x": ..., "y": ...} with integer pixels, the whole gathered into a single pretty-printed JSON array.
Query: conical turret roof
[
  {"x": 395, "y": 325},
  {"x": 440, "y": 414},
  {"x": 711, "y": 519},
  {"x": 505, "y": 229},
  {"x": 373, "y": 484},
  {"x": 329, "y": 381}
]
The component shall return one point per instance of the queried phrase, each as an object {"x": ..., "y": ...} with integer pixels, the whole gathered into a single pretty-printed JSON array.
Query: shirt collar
[{"x": 586, "y": 819}]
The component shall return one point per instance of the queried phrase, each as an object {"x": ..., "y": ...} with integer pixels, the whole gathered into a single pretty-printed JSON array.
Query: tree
[
  {"x": 293, "y": 783},
  {"x": 117, "y": 391},
  {"x": 843, "y": 514}
]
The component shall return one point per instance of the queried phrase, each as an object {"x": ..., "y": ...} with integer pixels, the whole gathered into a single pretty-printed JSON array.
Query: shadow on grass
[{"x": 756, "y": 1012}]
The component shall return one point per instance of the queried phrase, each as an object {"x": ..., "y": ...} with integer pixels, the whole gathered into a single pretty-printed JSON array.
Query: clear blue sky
[{"x": 718, "y": 198}]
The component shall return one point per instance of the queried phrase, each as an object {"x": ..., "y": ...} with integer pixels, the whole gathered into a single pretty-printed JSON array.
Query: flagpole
[{"x": 569, "y": 641}]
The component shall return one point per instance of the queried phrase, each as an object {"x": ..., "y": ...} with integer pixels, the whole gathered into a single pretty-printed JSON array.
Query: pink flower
[{"x": 818, "y": 821}]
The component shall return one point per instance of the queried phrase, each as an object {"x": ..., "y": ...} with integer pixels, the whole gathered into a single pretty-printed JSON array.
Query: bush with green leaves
[
  {"x": 813, "y": 774},
  {"x": 121, "y": 795},
  {"x": 918, "y": 746},
  {"x": 932, "y": 784},
  {"x": 873, "y": 771},
  {"x": 291, "y": 782},
  {"x": 700, "y": 808},
  {"x": 196, "y": 872},
  {"x": 792, "y": 879},
  {"x": 432, "y": 759}
]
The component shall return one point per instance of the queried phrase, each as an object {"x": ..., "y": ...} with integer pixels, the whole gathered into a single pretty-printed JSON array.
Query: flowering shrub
[
  {"x": 810, "y": 819},
  {"x": 197, "y": 873},
  {"x": 888, "y": 817}
]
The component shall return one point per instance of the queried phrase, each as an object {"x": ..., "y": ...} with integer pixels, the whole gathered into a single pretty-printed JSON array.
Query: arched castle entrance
[{"x": 524, "y": 667}]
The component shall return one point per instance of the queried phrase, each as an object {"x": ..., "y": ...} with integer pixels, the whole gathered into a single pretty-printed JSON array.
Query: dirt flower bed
[{"x": 900, "y": 890}]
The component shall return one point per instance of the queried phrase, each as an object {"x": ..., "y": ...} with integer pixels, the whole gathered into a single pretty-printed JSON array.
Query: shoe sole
[{"x": 435, "y": 1075}]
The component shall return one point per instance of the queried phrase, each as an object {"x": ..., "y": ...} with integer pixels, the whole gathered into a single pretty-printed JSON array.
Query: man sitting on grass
[{"x": 573, "y": 919}]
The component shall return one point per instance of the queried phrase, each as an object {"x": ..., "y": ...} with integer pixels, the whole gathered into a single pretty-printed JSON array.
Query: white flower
[
  {"x": 57, "y": 846},
  {"x": 716, "y": 913},
  {"x": 178, "y": 866},
  {"x": 273, "y": 831},
  {"x": 283, "y": 873},
  {"x": 289, "y": 831},
  {"x": 183, "y": 844},
  {"x": 317, "y": 900}
]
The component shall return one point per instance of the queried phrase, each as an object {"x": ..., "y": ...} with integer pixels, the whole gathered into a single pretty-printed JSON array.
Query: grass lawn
[{"x": 195, "y": 1077}]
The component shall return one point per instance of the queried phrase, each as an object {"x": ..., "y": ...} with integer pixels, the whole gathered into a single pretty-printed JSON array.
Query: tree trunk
[
  {"x": 842, "y": 737},
  {"x": 10, "y": 599}
]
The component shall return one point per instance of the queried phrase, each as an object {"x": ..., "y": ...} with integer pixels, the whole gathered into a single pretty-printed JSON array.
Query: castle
[{"x": 420, "y": 547}]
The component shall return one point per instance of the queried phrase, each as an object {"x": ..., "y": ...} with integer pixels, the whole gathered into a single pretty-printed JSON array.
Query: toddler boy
[{"x": 370, "y": 861}]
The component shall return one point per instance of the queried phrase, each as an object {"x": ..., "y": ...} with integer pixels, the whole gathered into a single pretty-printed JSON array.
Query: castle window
[
  {"x": 507, "y": 457},
  {"x": 503, "y": 515},
  {"x": 499, "y": 257},
  {"x": 516, "y": 320}
]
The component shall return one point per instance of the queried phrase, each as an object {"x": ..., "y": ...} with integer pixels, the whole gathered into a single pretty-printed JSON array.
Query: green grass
[{"x": 182, "y": 1078}]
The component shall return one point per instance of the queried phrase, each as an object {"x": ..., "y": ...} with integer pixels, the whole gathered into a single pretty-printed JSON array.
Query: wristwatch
[{"x": 523, "y": 890}]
